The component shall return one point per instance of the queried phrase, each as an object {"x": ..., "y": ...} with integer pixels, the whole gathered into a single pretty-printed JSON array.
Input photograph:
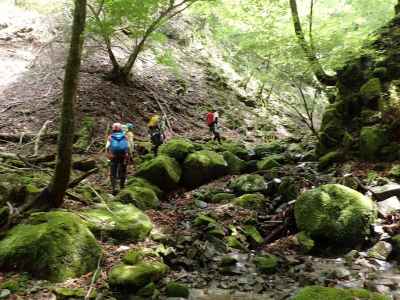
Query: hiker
[
  {"x": 156, "y": 130},
  {"x": 213, "y": 125},
  {"x": 128, "y": 129},
  {"x": 118, "y": 152}
]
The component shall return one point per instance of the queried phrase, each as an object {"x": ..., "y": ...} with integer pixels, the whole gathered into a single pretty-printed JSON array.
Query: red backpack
[{"x": 210, "y": 118}]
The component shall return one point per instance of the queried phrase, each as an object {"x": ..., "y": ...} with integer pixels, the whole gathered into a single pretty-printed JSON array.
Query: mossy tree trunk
[
  {"x": 309, "y": 50},
  {"x": 59, "y": 184},
  {"x": 397, "y": 8}
]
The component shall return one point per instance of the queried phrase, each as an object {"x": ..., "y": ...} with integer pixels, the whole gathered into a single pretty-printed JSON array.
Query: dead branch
[
  {"x": 42, "y": 131},
  {"x": 78, "y": 180}
]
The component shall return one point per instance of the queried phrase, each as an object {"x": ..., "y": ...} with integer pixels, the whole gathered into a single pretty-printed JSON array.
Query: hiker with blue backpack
[{"x": 118, "y": 152}]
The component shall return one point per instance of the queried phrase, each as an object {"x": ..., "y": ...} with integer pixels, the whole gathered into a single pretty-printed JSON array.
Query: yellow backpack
[{"x": 153, "y": 121}]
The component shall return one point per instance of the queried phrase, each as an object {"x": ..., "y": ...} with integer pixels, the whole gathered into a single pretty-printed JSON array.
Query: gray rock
[
  {"x": 380, "y": 250},
  {"x": 389, "y": 206},
  {"x": 4, "y": 293},
  {"x": 386, "y": 191}
]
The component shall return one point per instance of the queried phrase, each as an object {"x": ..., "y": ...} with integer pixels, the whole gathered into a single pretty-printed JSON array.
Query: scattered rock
[
  {"x": 177, "y": 148},
  {"x": 388, "y": 206},
  {"x": 318, "y": 292},
  {"x": 266, "y": 263},
  {"x": 250, "y": 201},
  {"x": 247, "y": 184},
  {"x": 177, "y": 290},
  {"x": 305, "y": 243},
  {"x": 386, "y": 191},
  {"x": 142, "y": 197}
]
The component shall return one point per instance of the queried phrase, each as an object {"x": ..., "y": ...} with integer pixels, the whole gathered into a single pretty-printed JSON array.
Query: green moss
[
  {"x": 264, "y": 150},
  {"x": 289, "y": 189},
  {"x": 163, "y": 171},
  {"x": 221, "y": 197},
  {"x": 250, "y": 201},
  {"x": 305, "y": 243},
  {"x": 235, "y": 164},
  {"x": 271, "y": 162},
  {"x": 15, "y": 284},
  {"x": 233, "y": 242},
  {"x": 147, "y": 291},
  {"x": 371, "y": 90},
  {"x": 177, "y": 290},
  {"x": 266, "y": 263},
  {"x": 132, "y": 278},
  {"x": 142, "y": 197},
  {"x": 141, "y": 182},
  {"x": 332, "y": 129},
  {"x": 395, "y": 171},
  {"x": 203, "y": 166},
  {"x": 85, "y": 134},
  {"x": 253, "y": 234},
  {"x": 177, "y": 148},
  {"x": 330, "y": 158},
  {"x": 119, "y": 221},
  {"x": 372, "y": 139},
  {"x": 211, "y": 225},
  {"x": 248, "y": 184},
  {"x": 55, "y": 246},
  {"x": 335, "y": 214},
  {"x": 133, "y": 257},
  {"x": 317, "y": 293},
  {"x": 235, "y": 148},
  {"x": 70, "y": 293}
]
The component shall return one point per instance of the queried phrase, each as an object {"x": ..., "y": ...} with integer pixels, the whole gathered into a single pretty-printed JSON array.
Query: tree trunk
[
  {"x": 56, "y": 190},
  {"x": 318, "y": 70},
  {"x": 397, "y": 8}
]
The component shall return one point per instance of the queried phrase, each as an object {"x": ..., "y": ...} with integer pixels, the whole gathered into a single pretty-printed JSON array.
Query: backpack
[
  {"x": 156, "y": 136},
  {"x": 210, "y": 118},
  {"x": 118, "y": 143}
]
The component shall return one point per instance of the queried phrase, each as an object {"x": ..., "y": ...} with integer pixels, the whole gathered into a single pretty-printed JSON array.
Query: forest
[{"x": 200, "y": 149}]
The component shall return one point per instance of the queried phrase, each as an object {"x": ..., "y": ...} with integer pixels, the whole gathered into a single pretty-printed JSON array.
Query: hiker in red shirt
[{"x": 212, "y": 122}]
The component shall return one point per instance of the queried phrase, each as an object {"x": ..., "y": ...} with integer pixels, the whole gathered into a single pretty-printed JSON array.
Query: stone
[
  {"x": 335, "y": 214},
  {"x": 163, "y": 171},
  {"x": 372, "y": 139},
  {"x": 127, "y": 278},
  {"x": 326, "y": 293},
  {"x": 263, "y": 150},
  {"x": 386, "y": 191},
  {"x": 228, "y": 260},
  {"x": 371, "y": 90},
  {"x": 253, "y": 234},
  {"x": 119, "y": 221},
  {"x": 222, "y": 197},
  {"x": 270, "y": 162},
  {"x": 251, "y": 201},
  {"x": 63, "y": 293},
  {"x": 177, "y": 290},
  {"x": 142, "y": 197},
  {"x": 141, "y": 182},
  {"x": 247, "y": 184},
  {"x": 329, "y": 159},
  {"x": 305, "y": 243},
  {"x": 177, "y": 148},
  {"x": 388, "y": 206},
  {"x": 55, "y": 246},
  {"x": 266, "y": 263},
  {"x": 380, "y": 250},
  {"x": 235, "y": 164},
  {"x": 203, "y": 166}
]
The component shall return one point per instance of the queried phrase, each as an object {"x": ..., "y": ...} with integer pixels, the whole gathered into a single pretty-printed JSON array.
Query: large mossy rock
[
  {"x": 142, "y": 197},
  {"x": 119, "y": 221},
  {"x": 203, "y": 166},
  {"x": 247, "y": 184},
  {"x": 264, "y": 150},
  {"x": 236, "y": 148},
  {"x": 235, "y": 164},
  {"x": 250, "y": 201},
  {"x": 163, "y": 171},
  {"x": 372, "y": 139},
  {"x": 177, "y": 148},
  {"x": 128, "y": 278},
  {"x": 371, "y": 90},
  {"x": 271, "y": 162},
  {"x": 325, "y": 293},
  {"x": 141, "y": 182},
  {"x": 54, "y": 246},
  {"x": 334, "y": 214}
]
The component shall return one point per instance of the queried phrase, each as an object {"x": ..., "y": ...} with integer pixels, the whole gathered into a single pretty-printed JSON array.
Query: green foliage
[{"x": 317, "y": 292}]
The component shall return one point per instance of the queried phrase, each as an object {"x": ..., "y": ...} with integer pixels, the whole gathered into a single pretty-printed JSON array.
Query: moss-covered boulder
[
  {"x": 222, "y": 197},
  {"x": 130, "y": 279},
  {"x": 247, "y": 184},
  {"x": 304, "y": 242},
  {"x": 270, "y": 162},
  {"x": 177, "y": 148},
  {"x": 253, "y": 235},
  {"x": 177, "y": 290},
  {"x": 250, "y": 201},
  {"x": 266, "y": 263},
  {"x": 203, "y": 166},
  {"x": 236, "y": 148},
  {"x": 64, "y": 293},
  {"x": 54, "y": 246},
  {"x": 335, "y": 214},
  {"x": 235, "y": 164},
  {"x": 141, "y": 182},
  {"x": 330, "y": 158},
  {"x": 371, "y": 90},
  {"x": 264, "y": 150},
  {"x": 372, "y": 139},
  {"x": 119, "y": 221},
  {"x": 142, "y": 197},
  {"x": 163, "y": 171},
  {"x": 318, "y": 292}
]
